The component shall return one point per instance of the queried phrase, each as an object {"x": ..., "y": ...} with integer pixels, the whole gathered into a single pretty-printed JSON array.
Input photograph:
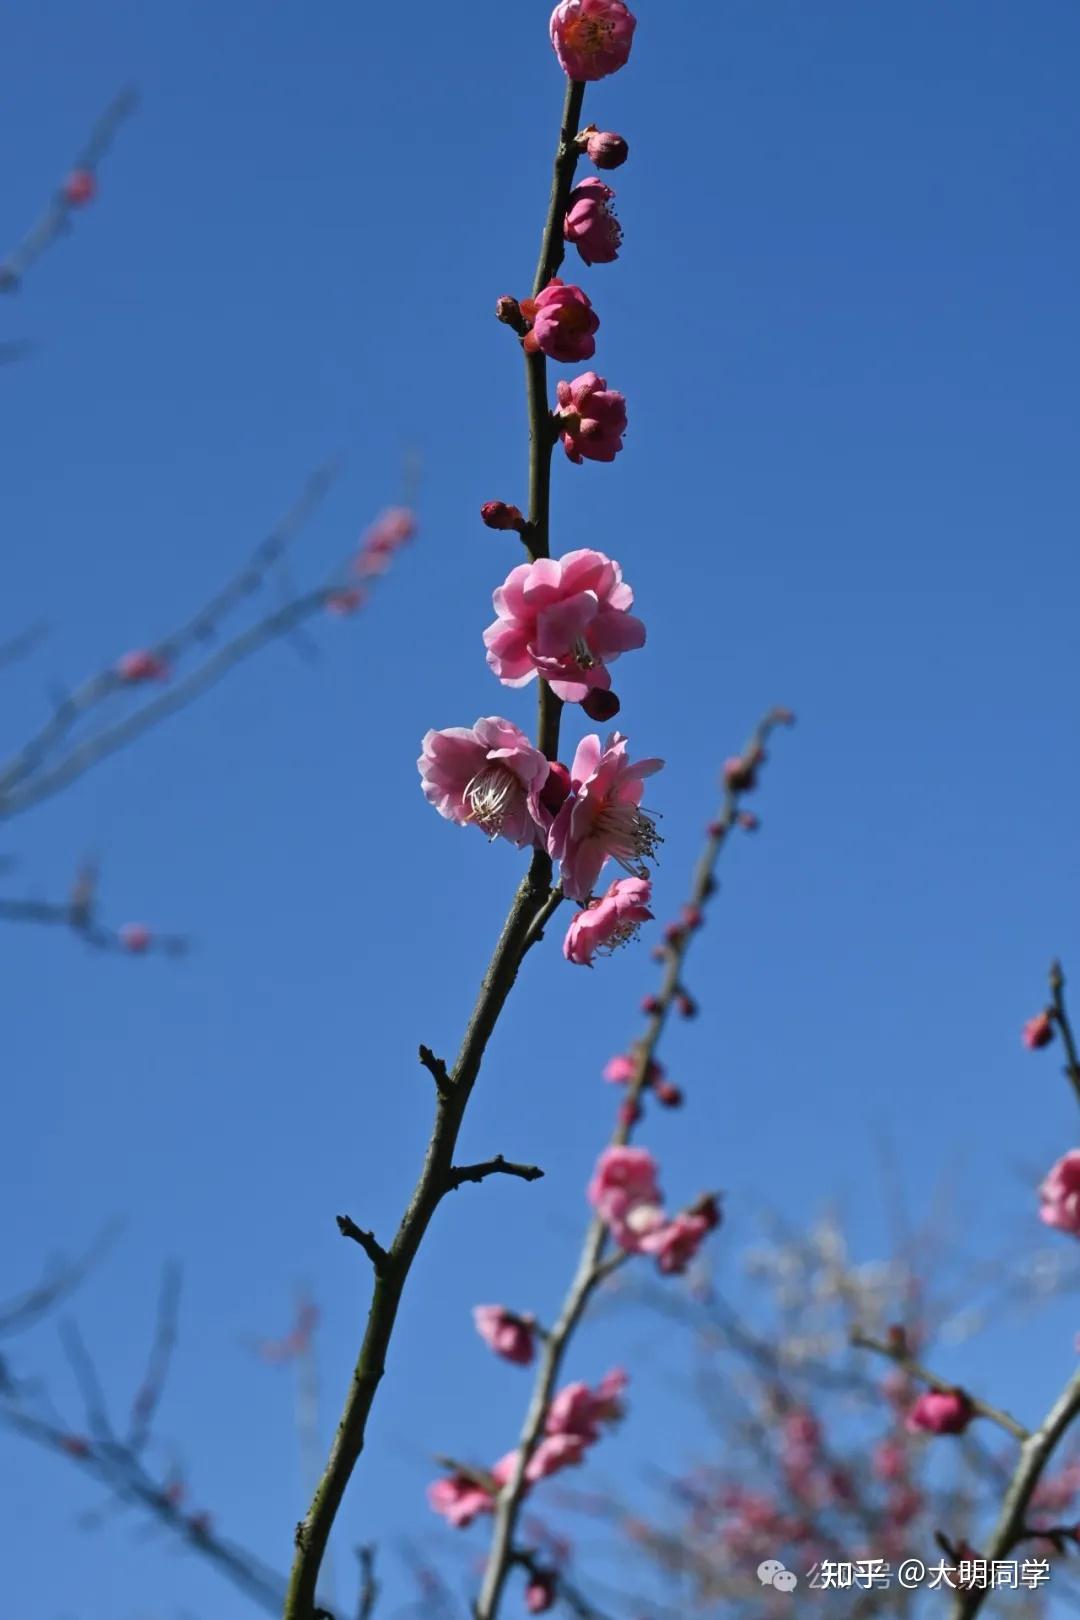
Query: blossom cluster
[
  {"x": 575, "y": 1421},
  {"x": 625, "y": 1194}
]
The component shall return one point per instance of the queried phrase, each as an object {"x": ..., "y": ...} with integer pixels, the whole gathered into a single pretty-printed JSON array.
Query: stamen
[
  {"x": 583, "y": 654},
  {"x": 630, "y": 836},
  {"x": 489, "y": 797}
]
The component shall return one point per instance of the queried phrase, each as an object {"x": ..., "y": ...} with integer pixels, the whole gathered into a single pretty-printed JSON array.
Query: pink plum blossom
[
  {"x": 591, "y": 418},
  {"x": 80, "y": 187},
  {"x": 624, "y": 1193},
  {"x": 512, "y": 1337},
  {"x": 578, "y": 1411},
  {"x": 609, "y": 922},
  {"x": 390, "y": 531},
  {"x": 563, "y": 322},
  {"x": 623, "y": 1067},
  {"x": 1038, "y": 1031},
  {"x": 142, "y": 665},
  {"x": 940, "y": 1411},
  {"x": 675, "y": 1243},
  {"x": 603, "y": 818},
  {"x": 590, "y": 222},
  {"x": 1060, "y": 1195},
  {"x": 459, "y": 1499},
  {"x": 540, "y": 1592},
  {"x": 592, "y": 38},
  {"x": 563, "y": 618},
  {"x": 554, "y": 1453},
  {"x": 488, "y": 775}
]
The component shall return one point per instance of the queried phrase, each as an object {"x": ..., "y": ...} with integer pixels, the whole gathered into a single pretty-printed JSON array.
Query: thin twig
[
  {"x": 148, "y": 1396},
  {"x": 498, "y": 1166},
  {"x": 56, "y": 218},
  {"x": 897, "y": 1353},
  {"x": 1061, "y": 1018},
  {"x": 367, "y": 1241},
  {"x": 593, "y": 1265},
  {"x": 369, "y": 1586}
]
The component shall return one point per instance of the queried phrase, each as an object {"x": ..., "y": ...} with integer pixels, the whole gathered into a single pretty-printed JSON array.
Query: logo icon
[{"x": 772, "y": 1573}]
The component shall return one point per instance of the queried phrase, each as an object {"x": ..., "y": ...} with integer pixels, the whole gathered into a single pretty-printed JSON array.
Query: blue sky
[{"x": 845, "y": 320}]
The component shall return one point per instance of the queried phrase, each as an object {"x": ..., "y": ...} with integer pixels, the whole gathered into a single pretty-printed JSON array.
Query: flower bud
[
  {"x": 629, "y": 1113},
  {"x": 556, "y": 790},
  {"x": 606, "y": 149},
  {"x": 508, "y": 310},
  {"x": 650, "y": 1005},
  {"x": 540, "y": 1592},
  {"x": 601, "y": 706},
  {"x": 499, "y": 515},
  {"x": 1038, "y": 1031},
  {"x": 667, "y": 1094},
  {"x": 687, "y": 1006},
  {"x": 80, "y": 187}
]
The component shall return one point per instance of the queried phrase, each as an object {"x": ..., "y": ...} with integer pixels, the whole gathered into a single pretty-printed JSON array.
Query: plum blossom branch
[
  {"x": 532, "y": 903},
  {"x": 740, "y": 776},
  {"x": 76, "y": 190},
  {"x": 498, "y": 1166},
  {"x": 895, "y": 1349},
  {"x": 53, "y": 758},
  {"x": 79, "y": 915},
  {"x": 27, "y": 1308}
]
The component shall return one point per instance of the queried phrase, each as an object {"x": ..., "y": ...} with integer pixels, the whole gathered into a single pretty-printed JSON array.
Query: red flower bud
[
  {"x": 748, "y": 821},
  {"x": 601, "y": 706},
  {"x": 668, "y": 1094},
  {"x": 629, "y": 1113},
  {"x": 556, "y": 790},
  {"x": 687, "y": 1006},
  {"x": 693, "y": 916},
  {"x": 80, "y": 187},
  {"x": 498, "y": 515},
  {"x": 650, "y": 1005},
  {"x": 1038, "y": 1031}
]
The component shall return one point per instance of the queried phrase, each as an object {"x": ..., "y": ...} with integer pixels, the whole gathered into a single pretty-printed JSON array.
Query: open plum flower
[
  {"x": 563, "y": 322},
  {"x": 565, "y": 619},
  {"x": 488, "y": 775},
  {"x": 603, "y": 819},
  {"x": 591, "y": 418},
  {"x": 592, "y": 38},
  {"x": 609, "y": 922},
  {"x": 625, "y": 1194},
  {"x": 591, "y": 223},
  {"x": 1059, "y": 1195}
]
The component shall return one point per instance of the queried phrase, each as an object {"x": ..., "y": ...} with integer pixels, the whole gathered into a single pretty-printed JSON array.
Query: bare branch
[
  {"x": 367, "y": 1241},
  {"x": 498, "y": 1166},
  {"x": 28, "y": 1308}
]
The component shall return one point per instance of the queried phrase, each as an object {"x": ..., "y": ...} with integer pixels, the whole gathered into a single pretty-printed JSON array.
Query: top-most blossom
[{"x": 592, "y": 38}]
